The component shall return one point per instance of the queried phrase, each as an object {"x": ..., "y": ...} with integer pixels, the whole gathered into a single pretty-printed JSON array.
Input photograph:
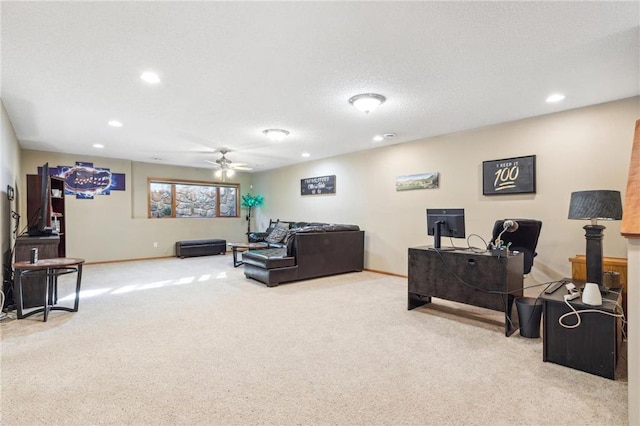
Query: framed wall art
[
  {"x": 320, "y": 185},
  {"x": 419, "y": 181},
  {"x": 509, "y": 176}
]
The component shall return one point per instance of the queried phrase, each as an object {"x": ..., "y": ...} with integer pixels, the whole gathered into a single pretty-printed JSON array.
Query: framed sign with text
[
  {"x": 320, "y": 185},
  {"x": 509, "y": 176}
]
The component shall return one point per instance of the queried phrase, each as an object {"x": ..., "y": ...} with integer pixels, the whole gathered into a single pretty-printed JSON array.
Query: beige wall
[
  {"x": 586, "y": 148},
  {"x": 9, "y": 175},
  {"x": 116, "y": 227}
]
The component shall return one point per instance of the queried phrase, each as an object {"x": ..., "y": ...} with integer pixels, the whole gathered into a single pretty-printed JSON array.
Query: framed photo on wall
[
  {"x": 509, "y": 176},
  {"x": 320, "y": 185}
]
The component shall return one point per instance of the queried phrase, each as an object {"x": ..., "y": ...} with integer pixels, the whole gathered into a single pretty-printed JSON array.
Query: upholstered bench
[{"x": 200, "y": 247}]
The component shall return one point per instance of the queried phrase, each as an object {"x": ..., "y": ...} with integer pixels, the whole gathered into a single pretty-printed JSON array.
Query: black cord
[{"x": 9, "y": 276}]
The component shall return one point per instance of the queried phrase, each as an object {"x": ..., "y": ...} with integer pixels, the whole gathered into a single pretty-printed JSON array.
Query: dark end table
[
  {"x": 594, "y": 345},
  {"x": 51, "y": 269}
]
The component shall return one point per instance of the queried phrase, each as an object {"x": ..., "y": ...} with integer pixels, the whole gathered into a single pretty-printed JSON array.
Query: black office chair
[{"x": 524, "y": 239}]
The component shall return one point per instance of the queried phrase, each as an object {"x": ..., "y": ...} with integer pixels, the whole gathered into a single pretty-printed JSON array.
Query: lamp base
[{"x": 593, "y": 235}]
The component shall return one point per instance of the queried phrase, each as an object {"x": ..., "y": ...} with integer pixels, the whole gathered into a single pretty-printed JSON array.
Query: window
[{"x": 191, "y": 199}]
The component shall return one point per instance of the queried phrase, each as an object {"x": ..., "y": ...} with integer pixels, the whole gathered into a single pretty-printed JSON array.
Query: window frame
[{"x": 188, "y": 182}]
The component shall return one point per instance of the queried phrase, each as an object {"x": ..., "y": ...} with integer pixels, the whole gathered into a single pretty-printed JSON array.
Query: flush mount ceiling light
[
  {"x": 115, "y": 123},
  {"x": 556, "y": 97},
  {"x": 150, "y": 77},
  {"x": 305, "y": 155},
  {"x": 98, "y": 145},
  {"x": 276, "y": 135},
  {"x": 367, "y": 102}
]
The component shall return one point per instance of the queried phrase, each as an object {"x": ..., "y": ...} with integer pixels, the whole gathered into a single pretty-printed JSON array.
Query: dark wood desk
[
  {"x": 594, "y": 345},
  {"x": 50, "y": 269},
  {"x": 478, "y": 279}
]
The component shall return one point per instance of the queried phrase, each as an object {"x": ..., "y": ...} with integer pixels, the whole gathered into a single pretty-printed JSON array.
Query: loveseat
[{"x": 308, "y": 251}]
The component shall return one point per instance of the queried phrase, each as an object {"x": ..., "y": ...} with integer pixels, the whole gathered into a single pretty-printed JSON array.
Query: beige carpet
[{"x": 192, "y": 341}]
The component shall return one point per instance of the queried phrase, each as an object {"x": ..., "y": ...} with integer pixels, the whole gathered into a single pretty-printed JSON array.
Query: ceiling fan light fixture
[
  {"x": 367, "y": 102},
  {"x": 276, "y": 135}
]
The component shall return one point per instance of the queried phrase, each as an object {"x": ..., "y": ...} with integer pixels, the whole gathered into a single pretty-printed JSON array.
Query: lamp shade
[{"x": 598, "y": 204}]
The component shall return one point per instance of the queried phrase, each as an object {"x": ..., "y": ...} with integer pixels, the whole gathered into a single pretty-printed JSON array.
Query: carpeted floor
[{"x": 191, "y": 341}]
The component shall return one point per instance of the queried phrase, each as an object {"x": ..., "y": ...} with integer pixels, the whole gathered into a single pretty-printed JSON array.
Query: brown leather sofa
[{"x": 311, "y": 251}]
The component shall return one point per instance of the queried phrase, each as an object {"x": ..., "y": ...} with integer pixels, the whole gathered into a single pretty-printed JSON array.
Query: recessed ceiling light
[
  {"x": 98, "y": 145},
  {"x": 556, "y": 97},
  {"x": 115, "y": 123},
  {"x": 305, "y": 155},
  {"x": 150, "y": 77},
  {"x": 367, "y": 102},
  {"x": 276, "y": 134},
  {"x": 379, "y": 138}
]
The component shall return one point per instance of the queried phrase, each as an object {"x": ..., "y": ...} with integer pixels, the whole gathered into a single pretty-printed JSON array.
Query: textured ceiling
[{"x": 232, "y": 69}]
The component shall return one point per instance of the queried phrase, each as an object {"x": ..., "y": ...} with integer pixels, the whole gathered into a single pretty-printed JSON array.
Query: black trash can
[{"x": 529, "y": 314}]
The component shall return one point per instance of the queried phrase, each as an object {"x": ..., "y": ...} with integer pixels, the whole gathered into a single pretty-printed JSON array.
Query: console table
[
  {"x": 478, "y": 279},
  {"x": 50, "y": 269},
  {"x": 594, "y": 345}
]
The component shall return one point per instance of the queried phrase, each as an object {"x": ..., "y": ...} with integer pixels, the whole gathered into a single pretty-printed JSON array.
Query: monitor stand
[{"x": 437, "y": 237}]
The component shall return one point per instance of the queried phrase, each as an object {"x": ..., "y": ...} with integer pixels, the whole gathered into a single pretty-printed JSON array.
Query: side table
[
  {"x": 51, "y": 269},
  {"x": 235, "y": 247},
  {"x": 594, "y": 345}
]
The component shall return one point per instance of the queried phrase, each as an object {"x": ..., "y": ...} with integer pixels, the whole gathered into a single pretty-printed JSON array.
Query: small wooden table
[
  {"x": 51, "y": 269},
  {"x": 235, "y": 247}
]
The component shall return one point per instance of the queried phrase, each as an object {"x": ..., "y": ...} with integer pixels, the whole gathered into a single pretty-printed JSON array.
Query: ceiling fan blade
[{"x": 242, "y": 168}]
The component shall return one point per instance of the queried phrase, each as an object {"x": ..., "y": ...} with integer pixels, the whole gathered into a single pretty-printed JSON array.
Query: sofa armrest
[{"x": 257, "y": 237}]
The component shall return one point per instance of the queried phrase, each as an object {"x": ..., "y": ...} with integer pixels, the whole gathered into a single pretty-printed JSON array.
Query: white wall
[
  {"x": 633, "y": 338},
  {"x": 586, "y": 148}
]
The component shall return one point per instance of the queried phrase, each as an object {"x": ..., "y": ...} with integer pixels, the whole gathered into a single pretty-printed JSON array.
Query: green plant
[{"x": 250, "y": 201}]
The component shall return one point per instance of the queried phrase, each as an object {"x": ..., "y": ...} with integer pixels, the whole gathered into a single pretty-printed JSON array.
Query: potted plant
[{"x": 250, "y": 201}]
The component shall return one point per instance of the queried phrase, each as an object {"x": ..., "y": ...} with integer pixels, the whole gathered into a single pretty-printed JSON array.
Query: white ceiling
[{"x": 232, "y": 69}]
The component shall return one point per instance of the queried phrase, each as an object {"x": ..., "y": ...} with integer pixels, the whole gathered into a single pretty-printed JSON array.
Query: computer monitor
[{"x": 445, "y": 223}]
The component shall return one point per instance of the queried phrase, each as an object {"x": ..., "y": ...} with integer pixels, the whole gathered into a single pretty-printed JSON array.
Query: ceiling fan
[{"x": 227, "y": 166}]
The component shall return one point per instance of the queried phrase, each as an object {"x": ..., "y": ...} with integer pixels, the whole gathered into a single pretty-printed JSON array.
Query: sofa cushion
[
  {"x": 278, "y": 234},
  {"x": 268, "y": 258}
]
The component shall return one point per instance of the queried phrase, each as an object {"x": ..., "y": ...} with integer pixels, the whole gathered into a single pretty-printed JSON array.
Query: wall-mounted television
[
  {"x": 445, "y": 223},
  {"x": 41, "y": 224}
]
